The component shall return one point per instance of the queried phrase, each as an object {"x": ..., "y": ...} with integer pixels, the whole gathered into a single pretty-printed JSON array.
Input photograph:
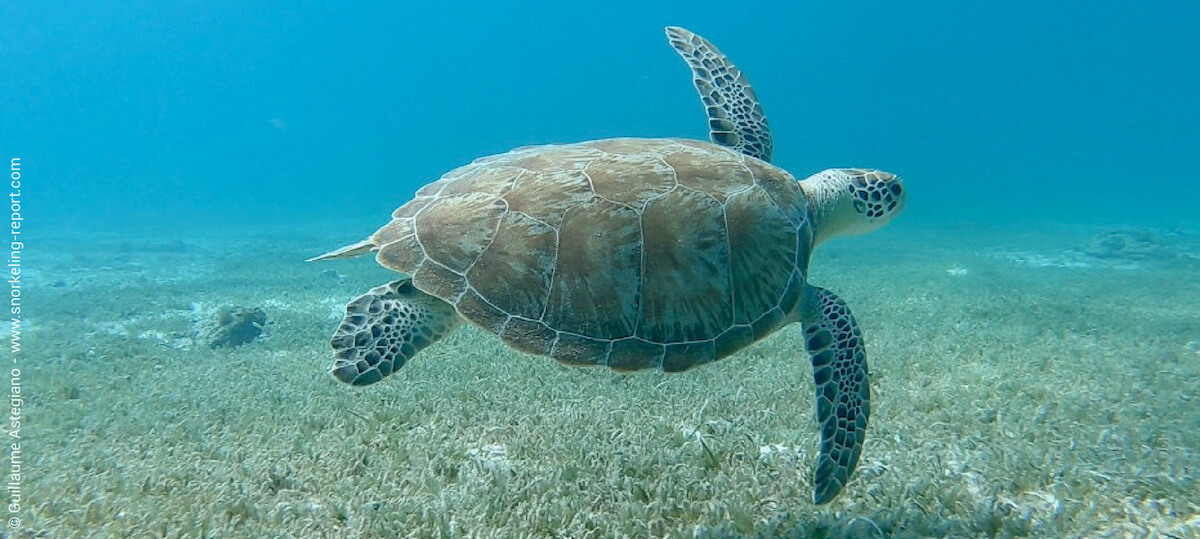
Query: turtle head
[{"x": 852, "y": 200}]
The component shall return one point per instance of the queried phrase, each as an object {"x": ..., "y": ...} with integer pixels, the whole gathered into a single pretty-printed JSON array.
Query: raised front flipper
[
  {"x": 386, "y": 327},
  {"x": 843, "y": 388},
  {"x": 735, "y": 118}
]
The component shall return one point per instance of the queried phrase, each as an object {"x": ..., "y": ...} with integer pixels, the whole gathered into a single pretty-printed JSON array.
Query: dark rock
[
  {"x": 233, "y": 326},
  {"x": 1129, "y": 245}
]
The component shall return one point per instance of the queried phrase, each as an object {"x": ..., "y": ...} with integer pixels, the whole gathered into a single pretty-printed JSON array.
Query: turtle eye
[{"x": 860, "y": 206}]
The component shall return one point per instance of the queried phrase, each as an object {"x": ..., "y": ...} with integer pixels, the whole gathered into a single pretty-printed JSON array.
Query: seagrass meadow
[
  {"x": 1039, "y": 383},
  {"x": 1028, "y": 297}
]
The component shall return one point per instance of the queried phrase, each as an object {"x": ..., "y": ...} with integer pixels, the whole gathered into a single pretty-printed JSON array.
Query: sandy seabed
[{"x": 1021, "y": 387}]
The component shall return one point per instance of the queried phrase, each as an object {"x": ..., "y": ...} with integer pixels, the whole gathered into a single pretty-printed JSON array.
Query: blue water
[
  {"x": 147, "y": 114},
  {"x": 1035, "y": 375}
]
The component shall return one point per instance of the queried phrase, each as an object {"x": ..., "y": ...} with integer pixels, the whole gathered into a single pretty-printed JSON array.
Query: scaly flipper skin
[
  {"x": 735, "y": 118},
  {"x": 843, "y": 388},
  {"x": 386, "y": 327}
]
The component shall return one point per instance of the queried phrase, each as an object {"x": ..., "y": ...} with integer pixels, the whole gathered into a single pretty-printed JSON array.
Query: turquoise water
[
  {"x": 140, "y": 114},
  {"x": 1031, "y": 318}
]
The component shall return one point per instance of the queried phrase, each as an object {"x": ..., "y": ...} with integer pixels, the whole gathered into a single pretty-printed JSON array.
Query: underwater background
[
  {"x": 1032, "y": 319},
  {"x": 1019, "y": 112}
]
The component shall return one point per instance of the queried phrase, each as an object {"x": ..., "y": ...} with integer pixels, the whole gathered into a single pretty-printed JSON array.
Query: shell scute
[
  {"x": 631, "y": 253},
  {"x": 596, "y": 277},
  {"x": 686, "y": 289}
]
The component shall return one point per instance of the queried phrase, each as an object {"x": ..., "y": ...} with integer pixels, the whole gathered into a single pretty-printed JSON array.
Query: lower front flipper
[{"x": 843, "y": 388}]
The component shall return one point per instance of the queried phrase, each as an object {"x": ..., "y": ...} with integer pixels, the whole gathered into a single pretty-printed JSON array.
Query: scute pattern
[
  {"x": 781, "y": 187},
  {"x": 403, "y": 252},
  {"x": 455, "y": 229},
  {"x": 546, "y": 196},
  {"x": 494, "y": 180},
  {"x": 700, "y": 169},
  {"x": 630, "y": 253},
  {"x": 529, "y": 336},
  {"x": 510, "y": 273},
  {"x": 438, "y": 280},
  {"x": 575, "y": 349},
  {"x": 634, "y": 354},
  {"x": 630, "y": 179},
  {"x": 759, "y": 235},
  {"x": 595, "y": 283},
  {"x": 564, "y": 158},
  {"x": 686, "y": 290}
]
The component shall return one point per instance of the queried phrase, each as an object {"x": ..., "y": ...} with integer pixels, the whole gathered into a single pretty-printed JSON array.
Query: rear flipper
[
  {"x": 386, "y": 327},
  {"x": 843, "y": 388}
]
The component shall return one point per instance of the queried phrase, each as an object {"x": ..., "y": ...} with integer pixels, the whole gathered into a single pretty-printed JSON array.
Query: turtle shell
[{"x": 630, "y": 253}]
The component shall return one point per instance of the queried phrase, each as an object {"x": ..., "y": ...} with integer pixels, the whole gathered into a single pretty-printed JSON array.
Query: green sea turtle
[{"x": 633, "y": 254}]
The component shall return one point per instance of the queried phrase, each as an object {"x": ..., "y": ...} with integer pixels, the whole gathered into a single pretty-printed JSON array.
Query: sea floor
[{"x": 1039, "y": 382}]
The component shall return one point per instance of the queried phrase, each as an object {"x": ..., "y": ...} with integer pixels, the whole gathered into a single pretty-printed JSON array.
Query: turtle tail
[{"x": 350, "y": 251}]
